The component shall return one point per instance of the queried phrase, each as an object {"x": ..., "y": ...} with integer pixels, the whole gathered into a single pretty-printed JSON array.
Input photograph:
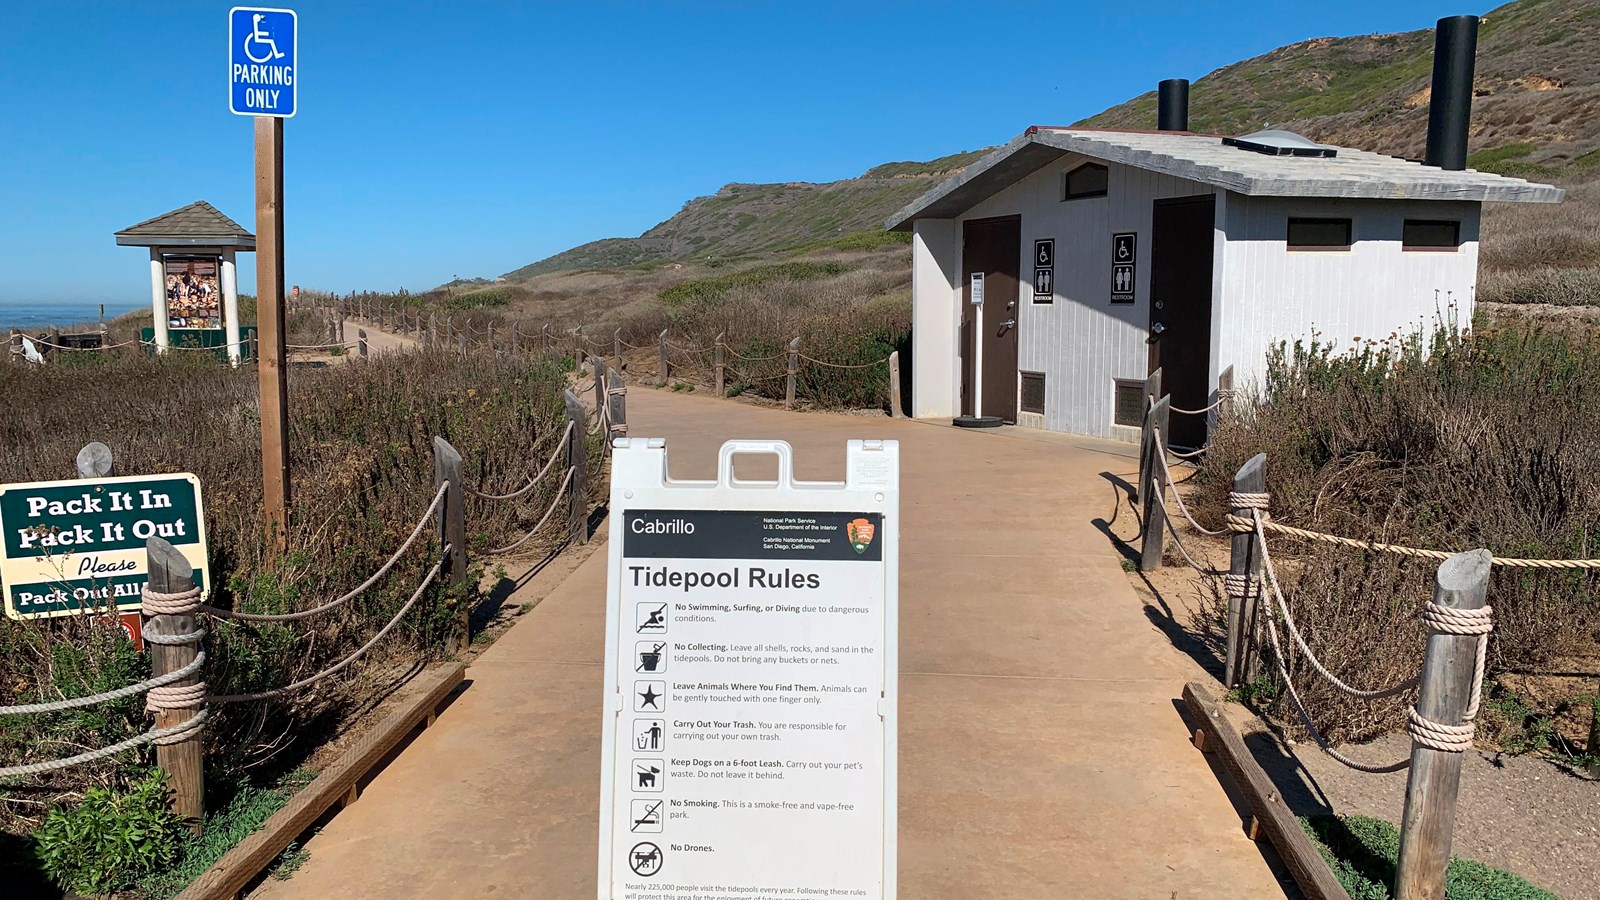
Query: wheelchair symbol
[{"x": 259, "y": 37}]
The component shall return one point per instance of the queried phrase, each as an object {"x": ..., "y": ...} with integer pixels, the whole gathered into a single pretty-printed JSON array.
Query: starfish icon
[{"x": 650, "y": 697}]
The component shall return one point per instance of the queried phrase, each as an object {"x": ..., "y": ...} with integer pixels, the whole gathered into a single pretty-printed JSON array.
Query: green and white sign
[{"x": 79, "y": 546}]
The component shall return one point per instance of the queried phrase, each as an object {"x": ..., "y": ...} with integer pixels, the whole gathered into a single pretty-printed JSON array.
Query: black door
[
  {"x": 1180, "y": 308},
  {"x": 992, "y": 249}
]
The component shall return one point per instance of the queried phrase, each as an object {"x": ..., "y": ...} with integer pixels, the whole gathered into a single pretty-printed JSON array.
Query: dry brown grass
[
  {"x": 1487, "y": 442},
  {"x": 1543, "y": 253},
  {"x": 361, "y": 453}
]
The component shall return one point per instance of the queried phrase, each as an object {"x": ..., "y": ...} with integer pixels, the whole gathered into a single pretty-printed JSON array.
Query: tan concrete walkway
[{"x": 1042, "y": 755}]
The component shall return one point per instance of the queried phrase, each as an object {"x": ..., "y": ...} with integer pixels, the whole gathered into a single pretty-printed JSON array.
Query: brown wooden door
[
  {"x": 992, "y": 247},
  {"x": 1181, "y": 243}
]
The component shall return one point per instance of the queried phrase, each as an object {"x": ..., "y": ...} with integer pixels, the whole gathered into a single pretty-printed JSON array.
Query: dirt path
[{"x": 1042, "y": 751}]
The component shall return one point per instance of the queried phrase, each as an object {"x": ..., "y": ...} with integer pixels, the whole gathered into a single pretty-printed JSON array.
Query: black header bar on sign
[{"x": 727, "y": 534}]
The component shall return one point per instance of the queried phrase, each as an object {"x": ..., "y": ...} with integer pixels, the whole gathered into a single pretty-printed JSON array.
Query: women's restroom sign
[{"x": 751, "y": 695}]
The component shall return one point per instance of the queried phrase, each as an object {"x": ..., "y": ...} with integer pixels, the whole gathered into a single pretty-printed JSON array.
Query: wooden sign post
[{"x": 272, "y": 373}]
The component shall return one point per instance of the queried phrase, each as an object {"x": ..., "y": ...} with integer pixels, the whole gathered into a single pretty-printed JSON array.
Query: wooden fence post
[
  {"x": 665, "y": 372},
  {"x": 616, "y": 350},
  {"x": 1444, "y": 696},
  {"x": 1152, "y": 392},
  {"x": 1243, "y": 559},
  {"x": 577, "y": 346},
  {"x": 722, "y": 364},
  {"x": 617, "y": 396},
  {"x": 794, "y": 370},
  {"x": 453, "y": 528},
  {"x": 516, "y": 344},
  {"x": 94, "y": 461},
  {"x": 183, "y": 762},
  {"x": 545, "y": 334},
  {"x": 461, "y": 342},
  {"x": 578, "y": 459},
  {"x": 895, "y": 409},
  {"x": 488, "y": 334},
  {"x": 1225, "y": 394},
  {"x": 361, "y": 342},
  {"x": 598, "y": 366},
  {"x": 1150, "y": 492}
]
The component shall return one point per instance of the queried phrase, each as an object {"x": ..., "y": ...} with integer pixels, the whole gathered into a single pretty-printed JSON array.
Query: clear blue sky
[{"x": 437, "y": 139}]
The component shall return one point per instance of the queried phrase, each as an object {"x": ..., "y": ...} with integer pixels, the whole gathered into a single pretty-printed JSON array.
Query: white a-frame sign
[{"x": 751, "y": 691}]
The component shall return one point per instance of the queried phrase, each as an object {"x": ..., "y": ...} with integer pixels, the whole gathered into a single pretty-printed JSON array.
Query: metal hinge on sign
[
  {"x": 883, "y": 707},
  {"x": 616, "y": 702}
]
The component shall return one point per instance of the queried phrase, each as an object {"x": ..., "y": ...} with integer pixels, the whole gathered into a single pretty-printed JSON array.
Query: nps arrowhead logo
[{"x": 860, "y": 532}]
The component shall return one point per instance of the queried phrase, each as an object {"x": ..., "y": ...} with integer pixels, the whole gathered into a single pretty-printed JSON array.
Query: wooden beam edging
[
  {"x": 1272, "y": 817},
  {"x": 241, "y": 865}
]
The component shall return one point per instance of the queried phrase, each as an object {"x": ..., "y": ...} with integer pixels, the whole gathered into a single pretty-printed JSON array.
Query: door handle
[
  {"x": 1009, "y": 323},
  {"x": 1155, "y": 333}
]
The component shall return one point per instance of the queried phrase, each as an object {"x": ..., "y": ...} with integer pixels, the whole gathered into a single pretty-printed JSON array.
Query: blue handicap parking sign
[{"x": 262, "y": 71}]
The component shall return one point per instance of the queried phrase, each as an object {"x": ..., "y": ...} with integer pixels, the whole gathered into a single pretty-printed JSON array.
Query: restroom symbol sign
[
  {"x": 1123, "y": 248},
  {"x": 1044, "y": 284},
  {"x": 1044, "y": 252}
]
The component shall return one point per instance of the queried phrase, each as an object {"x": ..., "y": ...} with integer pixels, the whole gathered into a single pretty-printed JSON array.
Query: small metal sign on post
[
  {"x": 1124, "y": 256},
  {"x": 751, "y": 692},
  {"x": 264, "y": 82},
  {"x": 263, "y": 71},
  {"x": 73, "y": 547},
  {"x": 1044, "y": 270}
]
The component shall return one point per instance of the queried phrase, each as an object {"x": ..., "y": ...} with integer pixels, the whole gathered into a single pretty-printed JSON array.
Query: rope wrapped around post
[{"x": 167, "y": 697}]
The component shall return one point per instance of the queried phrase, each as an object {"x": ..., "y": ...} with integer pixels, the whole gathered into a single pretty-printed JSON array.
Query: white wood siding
[
  {"x": 1271, "y": 293},
  {"x": 1083, "y": 342},
  {"x": 1262, "y": 292},
  {"x": 936, "y": 310}
]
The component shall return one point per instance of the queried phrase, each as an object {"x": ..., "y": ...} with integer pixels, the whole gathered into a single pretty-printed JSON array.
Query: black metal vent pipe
[
  {"x": 1455, "y": 48},
  {"x": 1172, "y": 105}
]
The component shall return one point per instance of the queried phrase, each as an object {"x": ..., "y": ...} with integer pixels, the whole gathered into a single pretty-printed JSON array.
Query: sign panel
[
  {"x": 194, "y": 295},
  {"x": 79, "y": 546},
  {"x": 751, "y": 690},
  {"x": 977, "y": 288},
  {"x": 1124, "y": 256},
  {"x": 1044, "y": 270},
  {"x": 263, "y": 72}
]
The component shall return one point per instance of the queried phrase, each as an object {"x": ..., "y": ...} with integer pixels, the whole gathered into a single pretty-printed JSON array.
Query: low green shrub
[
  {"x": 1362, "y": 851},
  {"x": 713, "y": 289},
  {"x": 871, "y": 239},
  {"x": 237, "y": 819},
  {"x": 111, "y": 838}
]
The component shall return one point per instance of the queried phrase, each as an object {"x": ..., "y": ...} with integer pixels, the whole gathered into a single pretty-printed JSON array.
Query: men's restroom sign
[
  {"x": 263, "y": 75},
  {"x": 1124, "y": 257},
  {"x": 750, "y": 690},
  {"x": 1044, "y": 270}
]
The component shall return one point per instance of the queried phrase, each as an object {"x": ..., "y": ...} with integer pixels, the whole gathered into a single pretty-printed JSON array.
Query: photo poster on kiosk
[{"x": 751, "y": 680}]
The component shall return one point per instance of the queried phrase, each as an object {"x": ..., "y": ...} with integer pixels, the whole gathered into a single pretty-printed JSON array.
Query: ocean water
[{"x": 31, "y": 315}]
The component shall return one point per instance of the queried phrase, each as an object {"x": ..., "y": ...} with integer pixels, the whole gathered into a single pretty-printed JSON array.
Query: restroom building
[{"x": 1054, "y": 274}]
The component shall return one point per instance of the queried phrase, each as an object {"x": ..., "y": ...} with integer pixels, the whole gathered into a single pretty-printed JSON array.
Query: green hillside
[
  {"x": 746, "y": 219},
  {"x": 1537, "y": 89},
  {"x": 1536, "y": 114}
]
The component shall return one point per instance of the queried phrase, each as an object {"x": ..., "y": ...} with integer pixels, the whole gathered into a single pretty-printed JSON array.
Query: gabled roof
[
  {"x": 1205, "y": 159},
  {"x": 197, "y": 225}
]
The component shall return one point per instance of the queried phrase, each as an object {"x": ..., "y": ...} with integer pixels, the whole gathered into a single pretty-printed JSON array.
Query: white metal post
[
  {"x": 230, "y": 305},
  {"x": 158, "y": 299}
]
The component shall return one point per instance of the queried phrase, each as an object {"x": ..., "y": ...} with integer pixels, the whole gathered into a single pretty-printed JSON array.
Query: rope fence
[{"x": 165, "y": 694}]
